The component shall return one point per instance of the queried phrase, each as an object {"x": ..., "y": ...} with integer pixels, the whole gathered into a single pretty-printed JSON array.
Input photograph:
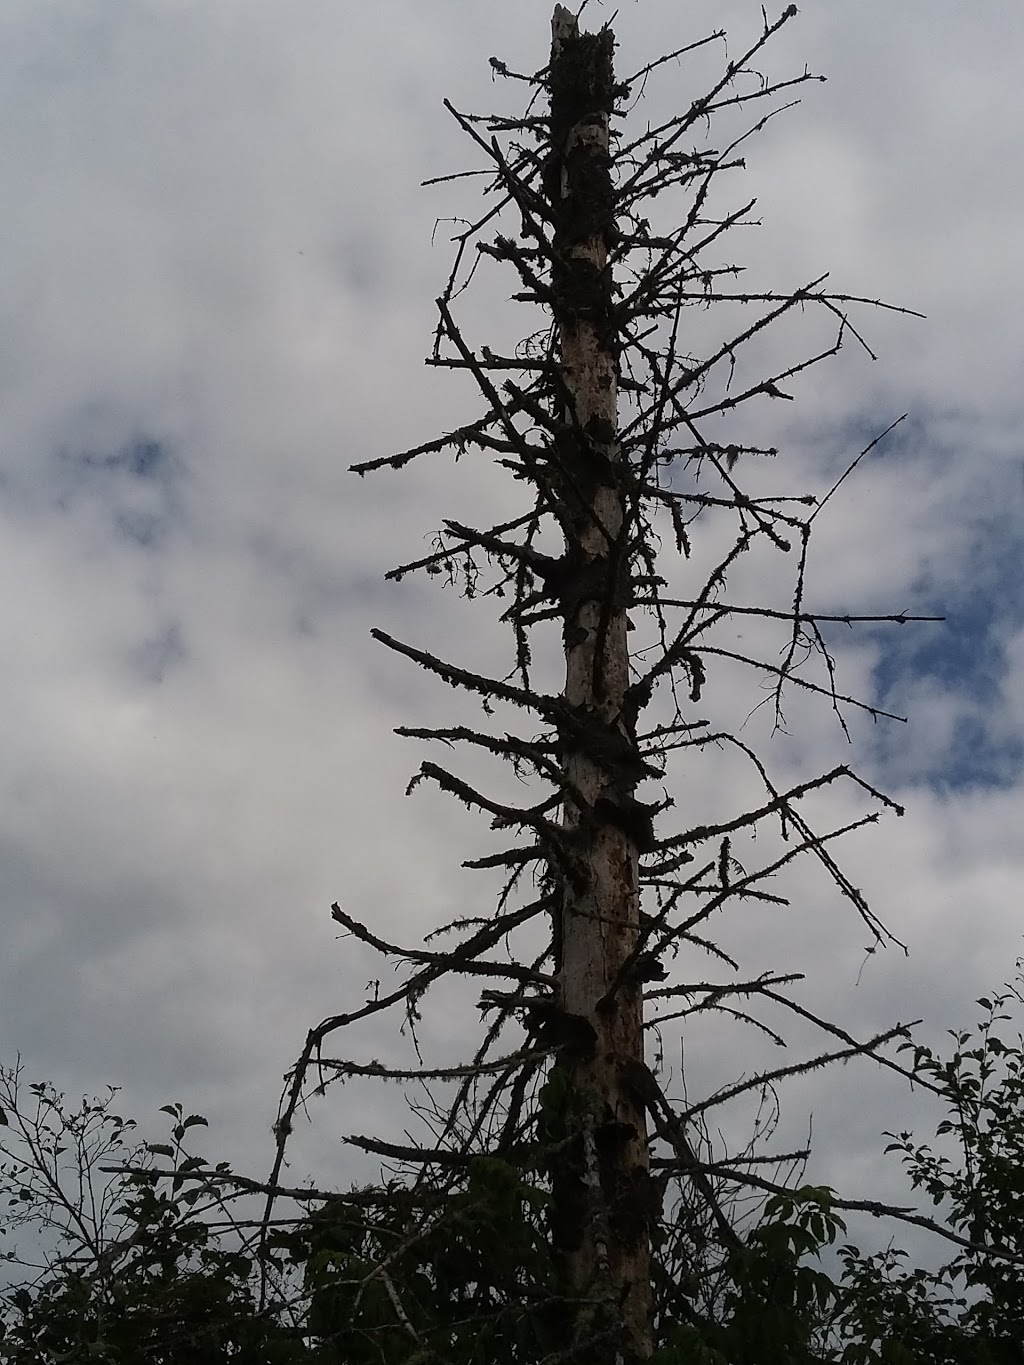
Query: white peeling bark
[{"x": 603, "y": 1219}]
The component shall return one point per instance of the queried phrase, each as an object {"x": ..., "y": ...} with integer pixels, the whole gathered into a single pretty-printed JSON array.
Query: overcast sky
[{"x": 216, "y": 293}]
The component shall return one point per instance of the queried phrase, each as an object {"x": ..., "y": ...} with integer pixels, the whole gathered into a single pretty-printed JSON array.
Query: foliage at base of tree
[
  {"x": 140, "y": 1262},
  {"x": 970, "y": 1309},
  {"x": 117, "y": 1263}
]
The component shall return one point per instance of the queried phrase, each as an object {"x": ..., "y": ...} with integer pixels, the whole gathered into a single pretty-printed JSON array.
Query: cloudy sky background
[{"x": 216, "y": 293}]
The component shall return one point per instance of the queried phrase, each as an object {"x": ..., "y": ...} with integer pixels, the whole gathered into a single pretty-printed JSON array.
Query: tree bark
[{"x": 602, "y": 1194}]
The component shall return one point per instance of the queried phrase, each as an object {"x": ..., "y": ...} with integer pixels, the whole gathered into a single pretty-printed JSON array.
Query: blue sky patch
[
  {"x": 142, "y": 457},
  {"x": 162, "y": 652},
  {"x": 136, "y": 481},
  {"x": 965, "y": 656}
]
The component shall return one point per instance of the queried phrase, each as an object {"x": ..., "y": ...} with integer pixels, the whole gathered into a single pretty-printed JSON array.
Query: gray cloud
[{"x": 217, "y": 295}]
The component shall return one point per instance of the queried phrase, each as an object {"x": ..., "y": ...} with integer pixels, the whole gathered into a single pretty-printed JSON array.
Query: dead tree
[{"x": 608, "y": 422}]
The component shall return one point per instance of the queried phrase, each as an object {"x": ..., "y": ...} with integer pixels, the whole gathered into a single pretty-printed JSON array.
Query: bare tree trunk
[
  {"x": 610, "y": 488},
  {"x": 602, "y": 1202}
]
